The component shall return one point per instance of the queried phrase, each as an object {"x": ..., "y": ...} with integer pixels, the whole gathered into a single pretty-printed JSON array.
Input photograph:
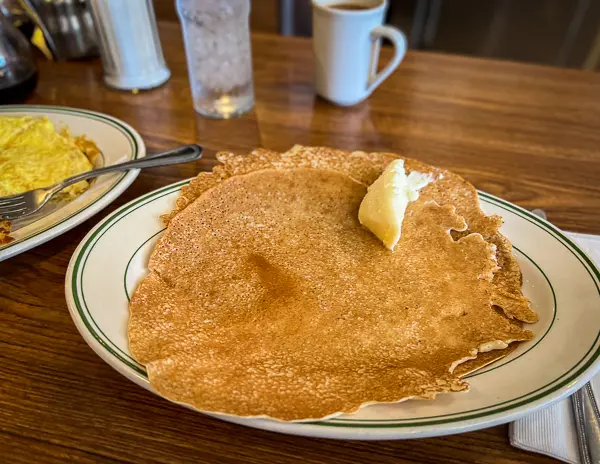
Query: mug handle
[{"x": 398, "y": 39}]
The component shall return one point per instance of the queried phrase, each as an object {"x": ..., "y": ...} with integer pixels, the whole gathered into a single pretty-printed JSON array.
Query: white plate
[
  {"x": 559, "y": 278},
  {"x": 118, "y": 143}
]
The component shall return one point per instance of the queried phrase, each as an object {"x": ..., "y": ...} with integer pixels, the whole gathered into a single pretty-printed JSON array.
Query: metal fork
[{"x": 23, "y": 204}]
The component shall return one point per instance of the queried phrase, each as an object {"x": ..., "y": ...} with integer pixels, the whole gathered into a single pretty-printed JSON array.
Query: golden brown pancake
[
  {"x": 449, "y": 188},
  {"x": 483, "y": 360},
  {"x": 366, "y": 167},
  {"x": 267, "y": 298}
]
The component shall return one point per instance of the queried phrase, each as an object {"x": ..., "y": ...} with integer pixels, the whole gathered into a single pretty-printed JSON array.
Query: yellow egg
[{"x": 34, "y": 155}]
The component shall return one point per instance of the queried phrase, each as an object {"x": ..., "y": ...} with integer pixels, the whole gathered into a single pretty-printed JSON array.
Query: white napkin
[{"x": 551, "y": 431}]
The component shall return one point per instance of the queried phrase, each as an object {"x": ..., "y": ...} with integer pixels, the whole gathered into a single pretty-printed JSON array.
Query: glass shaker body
[{"x": 130, "y": 47}]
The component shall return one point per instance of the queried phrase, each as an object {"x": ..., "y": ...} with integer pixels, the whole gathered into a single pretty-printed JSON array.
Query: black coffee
[{"x": 349, "y": 6}]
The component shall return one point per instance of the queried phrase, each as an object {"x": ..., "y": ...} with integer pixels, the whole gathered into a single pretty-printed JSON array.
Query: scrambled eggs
[{"x": 34, "y": 155}]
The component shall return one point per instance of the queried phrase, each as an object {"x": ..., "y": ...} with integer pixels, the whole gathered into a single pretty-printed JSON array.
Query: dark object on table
[
  {"x": 15, "y": 13},
  {"x": 18, "y": 72},
  {"x": 67, "y": 26}
]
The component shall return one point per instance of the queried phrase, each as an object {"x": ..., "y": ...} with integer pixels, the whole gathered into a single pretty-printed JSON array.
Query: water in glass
[{"x": 217, "y": 44}]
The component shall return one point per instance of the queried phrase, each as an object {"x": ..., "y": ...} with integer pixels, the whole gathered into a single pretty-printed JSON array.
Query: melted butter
[{"x": 383, "y": 207}]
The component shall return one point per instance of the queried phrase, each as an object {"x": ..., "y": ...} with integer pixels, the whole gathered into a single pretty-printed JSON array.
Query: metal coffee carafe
[
  {"x": 18, "y": 72},
  {"x": 67, "y": 26}
]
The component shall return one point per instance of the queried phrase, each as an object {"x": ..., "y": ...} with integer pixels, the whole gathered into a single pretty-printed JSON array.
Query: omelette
[
  {"x": 267, "y": 297},
  {"x": 33, "y": 155}
]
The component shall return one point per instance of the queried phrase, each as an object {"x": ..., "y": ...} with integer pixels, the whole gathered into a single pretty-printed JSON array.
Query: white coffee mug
[{"x": 346, "y": 44}]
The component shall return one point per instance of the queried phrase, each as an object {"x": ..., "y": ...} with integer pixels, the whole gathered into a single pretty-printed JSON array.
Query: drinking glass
[{"x": 217, "y": 45}]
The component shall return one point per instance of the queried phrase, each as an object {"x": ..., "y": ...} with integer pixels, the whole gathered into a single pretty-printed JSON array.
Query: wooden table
[{"x": 529, "y": 134}]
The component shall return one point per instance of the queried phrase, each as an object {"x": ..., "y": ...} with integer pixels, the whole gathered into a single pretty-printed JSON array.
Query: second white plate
[{"x": 118, "y": 143}]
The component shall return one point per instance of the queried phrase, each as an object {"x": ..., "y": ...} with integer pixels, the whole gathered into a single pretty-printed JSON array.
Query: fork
[{"x": 24, "y": 204}]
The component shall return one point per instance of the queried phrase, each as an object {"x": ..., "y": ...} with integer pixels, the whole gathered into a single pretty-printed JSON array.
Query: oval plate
[
  {"x": 118, "y": 143},
  {"x": 558, "y": 277}
]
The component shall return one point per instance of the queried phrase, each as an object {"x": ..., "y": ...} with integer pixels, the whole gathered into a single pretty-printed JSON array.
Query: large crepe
[{"x": 266, "y": 297}]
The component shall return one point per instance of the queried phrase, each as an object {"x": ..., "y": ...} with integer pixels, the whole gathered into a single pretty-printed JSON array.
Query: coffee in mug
[{"x": 349, "y": 6}]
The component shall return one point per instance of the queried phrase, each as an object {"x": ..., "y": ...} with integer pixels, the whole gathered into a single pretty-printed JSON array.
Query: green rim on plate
[
  {"x": 87, "y": 114},
  {"x": 565, "y": 379}
]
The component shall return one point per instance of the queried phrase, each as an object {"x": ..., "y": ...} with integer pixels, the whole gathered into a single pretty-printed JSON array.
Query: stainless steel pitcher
[
  {"x": 18, "y": 72},
  {"x": 67, "y": 25}
]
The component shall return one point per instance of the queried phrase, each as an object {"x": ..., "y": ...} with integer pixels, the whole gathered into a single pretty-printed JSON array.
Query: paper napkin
[{"x": 551, "y": 431}]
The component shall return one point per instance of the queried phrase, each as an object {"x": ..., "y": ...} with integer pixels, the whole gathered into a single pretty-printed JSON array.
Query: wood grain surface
[{"x": 528, "y": 134}]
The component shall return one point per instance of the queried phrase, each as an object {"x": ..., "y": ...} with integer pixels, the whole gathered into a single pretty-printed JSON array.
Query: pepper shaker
[{"x": 129, "y": 44}]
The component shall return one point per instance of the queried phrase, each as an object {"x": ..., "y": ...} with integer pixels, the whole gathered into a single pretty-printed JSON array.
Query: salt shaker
[
  {"x": 217, "y": 45},
  {"x": 129, "y": 44}
]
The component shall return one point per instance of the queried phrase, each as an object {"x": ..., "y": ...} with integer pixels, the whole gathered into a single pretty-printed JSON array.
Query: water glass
[{"x": 219, "y": 60}]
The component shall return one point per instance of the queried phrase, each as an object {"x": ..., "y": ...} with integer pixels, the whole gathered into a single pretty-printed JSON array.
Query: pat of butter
[{"x": 383, "y": 207}]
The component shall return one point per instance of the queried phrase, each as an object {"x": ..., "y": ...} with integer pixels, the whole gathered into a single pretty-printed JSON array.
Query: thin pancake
[
  {"x": 365, "y": 168},
  {"x": 482, "y": 360},
  {"x": 266, "y": 297},
  {"x": 450, "y": 188}
]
